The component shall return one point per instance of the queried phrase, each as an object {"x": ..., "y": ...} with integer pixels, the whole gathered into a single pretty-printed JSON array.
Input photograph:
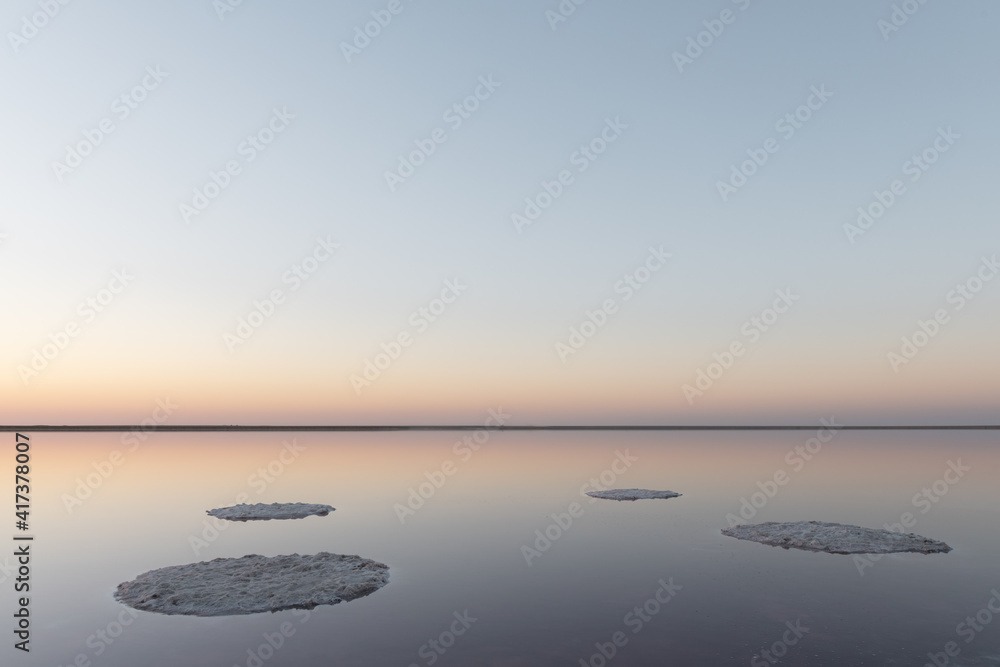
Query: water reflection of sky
[{"x": 462, "y": 549}]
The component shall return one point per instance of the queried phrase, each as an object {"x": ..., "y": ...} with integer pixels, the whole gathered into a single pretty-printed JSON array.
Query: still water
[{"x": 496, "y": 558}]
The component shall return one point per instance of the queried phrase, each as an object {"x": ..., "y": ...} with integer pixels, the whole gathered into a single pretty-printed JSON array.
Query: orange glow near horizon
[{"x": 593, "y": 391}]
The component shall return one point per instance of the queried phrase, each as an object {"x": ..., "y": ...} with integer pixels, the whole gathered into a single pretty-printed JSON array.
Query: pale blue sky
[{"x": 655, "y": 185}]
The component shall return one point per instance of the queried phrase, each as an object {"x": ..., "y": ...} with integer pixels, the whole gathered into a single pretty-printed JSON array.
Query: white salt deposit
[
  {"x": 632, "y": 494},
  {"x": 263, "y": 512},
  {"x": 835, "y": 538},
  {"x": 253, "y": 584}
]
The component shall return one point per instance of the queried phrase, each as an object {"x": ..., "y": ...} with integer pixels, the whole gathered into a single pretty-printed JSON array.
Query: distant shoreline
[{"x": 210, "y": 428}]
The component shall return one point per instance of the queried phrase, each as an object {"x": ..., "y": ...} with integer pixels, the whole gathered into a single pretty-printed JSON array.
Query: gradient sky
[{"x": 894, "y": 93}]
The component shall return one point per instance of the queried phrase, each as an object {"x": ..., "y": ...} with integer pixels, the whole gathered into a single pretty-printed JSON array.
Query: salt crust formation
[
  {"x": 254, "y": 584},
  {"x": 632, "y": 494},
  {"x": 264, "y": 512},
  {"x": 835, "y": 538}
]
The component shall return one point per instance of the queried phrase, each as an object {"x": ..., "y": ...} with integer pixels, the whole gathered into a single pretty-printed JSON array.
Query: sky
[{"x": 729, "y": 212}]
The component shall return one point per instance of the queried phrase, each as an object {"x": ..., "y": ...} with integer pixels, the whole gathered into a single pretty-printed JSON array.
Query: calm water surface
[{"x": 473, "y": 549}]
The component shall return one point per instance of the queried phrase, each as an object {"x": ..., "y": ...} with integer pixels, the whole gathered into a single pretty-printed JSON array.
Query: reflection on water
[{"x": 498, "y": 558}]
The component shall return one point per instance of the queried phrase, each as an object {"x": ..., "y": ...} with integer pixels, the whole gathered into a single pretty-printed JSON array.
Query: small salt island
[
  {"x": 632, "y": 494},
  {"x": 254, "y": 584},
  {"x": 835, "y": 538},
  {"x": 264, "y": 512}
]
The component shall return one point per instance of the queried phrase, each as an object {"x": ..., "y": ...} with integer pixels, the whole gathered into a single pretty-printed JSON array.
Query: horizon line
[{"x": 207, "y": 428}]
